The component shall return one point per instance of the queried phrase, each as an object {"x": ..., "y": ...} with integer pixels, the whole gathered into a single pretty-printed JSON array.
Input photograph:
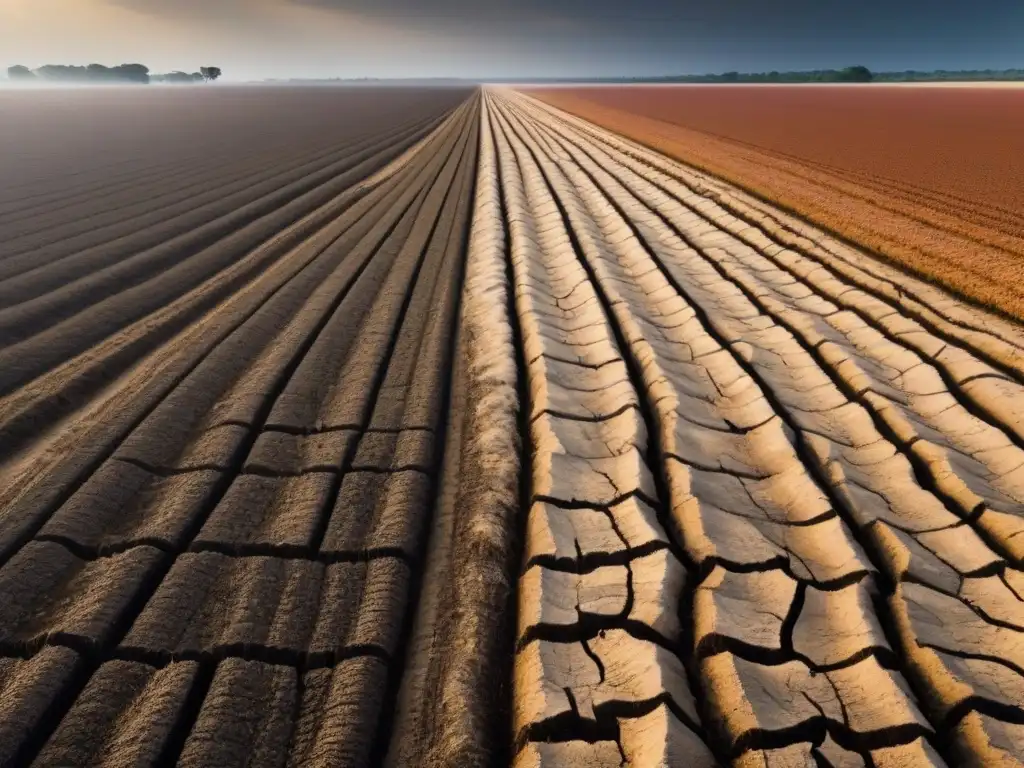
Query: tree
[
  {"x": 135, "y": 73},
  {"x": 94, "y": 73},
  {"x": 210, "y": 73},
  {"x": 856, "y": 75},
  {"x": 18, "y": 72},
  {"x": 176, "y": 78},
  {"x": 60, "y": 72}
]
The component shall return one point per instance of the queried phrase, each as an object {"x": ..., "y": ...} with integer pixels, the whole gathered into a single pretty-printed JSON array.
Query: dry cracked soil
[{"x": 439, "y": 427}]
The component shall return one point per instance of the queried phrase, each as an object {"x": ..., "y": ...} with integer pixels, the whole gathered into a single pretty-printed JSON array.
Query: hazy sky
[{"x": 254, "y": 39}]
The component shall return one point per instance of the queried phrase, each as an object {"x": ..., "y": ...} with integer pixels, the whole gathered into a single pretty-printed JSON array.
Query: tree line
[
  {"x": 944, "y": 75},
  {"x": 856, "y": 74},
  {"x": 97, "y": 73}
]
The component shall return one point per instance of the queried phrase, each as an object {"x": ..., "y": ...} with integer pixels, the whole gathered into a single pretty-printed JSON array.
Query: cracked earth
[{"x": 502, "y": 440}]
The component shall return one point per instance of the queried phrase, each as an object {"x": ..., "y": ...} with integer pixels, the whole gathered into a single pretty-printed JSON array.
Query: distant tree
[
  {"x": 175, "y": 77},
  {"x": 94, "y": 73},
  {"x": 98, "y": 73},
  {"x": 856, "y": 74},
  {"x": 60, "y": 72},
  {"x": 135, "y": 73},
  {"x": 18, "y": 72}
]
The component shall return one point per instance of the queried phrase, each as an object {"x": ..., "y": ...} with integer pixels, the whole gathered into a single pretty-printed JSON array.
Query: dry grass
[{"x": 932, "y": 185}]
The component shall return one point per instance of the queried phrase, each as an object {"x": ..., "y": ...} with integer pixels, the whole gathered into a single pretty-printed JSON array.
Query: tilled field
[
  {"x": 218, "y": 461},
  {"x": 927, "y": 177},
  {"x": 522, "y": 444}
]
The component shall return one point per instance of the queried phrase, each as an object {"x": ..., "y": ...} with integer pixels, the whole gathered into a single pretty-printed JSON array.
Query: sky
[{"x": 258, "y": 39}]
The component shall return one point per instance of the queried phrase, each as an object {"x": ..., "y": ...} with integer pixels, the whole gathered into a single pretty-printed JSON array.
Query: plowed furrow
[
  {"x": 472, "y": 434},
  {"x": 84, "y": 311},
  {"x": 237, "y": 551},
  {"x": 883, "y": 351},
  {"x": 455, "y": 695},
  {"x": 801, "y": 650},
  {"x": 163, "y": 181},
  {"x": 942, "y": 314},
  {"x": 782, "y": 616},
  {"x": 595, "y": 659},
  {"x": 232, "y": 129},
  {"x": 79, "y": 240},
  {"x": 90, "y": 209},
  {"x": 209, "y": 190},
  {"x": 750, "y": 464},
  {"x": 300, "y": 267},
  {"x": 885, "y": 397},
  {"x": 968, "y": 462},
  {"x": 24, "y": 201}
]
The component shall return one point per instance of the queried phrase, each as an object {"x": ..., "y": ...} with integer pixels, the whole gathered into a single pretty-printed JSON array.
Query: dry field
[
  {"x": 929, "y": 178},
  {"x": 440, "y": 428}
]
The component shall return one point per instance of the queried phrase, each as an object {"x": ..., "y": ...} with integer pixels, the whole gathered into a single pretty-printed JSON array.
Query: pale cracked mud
[{"x": 495, "y": 440}]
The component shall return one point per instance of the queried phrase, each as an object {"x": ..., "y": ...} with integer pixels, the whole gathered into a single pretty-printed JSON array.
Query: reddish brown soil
[{"x": 929, "y": 177}]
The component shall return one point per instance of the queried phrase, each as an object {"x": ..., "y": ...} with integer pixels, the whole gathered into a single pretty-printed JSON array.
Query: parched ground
[
  {"x": 930, "y": 178},
  {"x": 775, "y": 487},
  {"x": 481, "y": 435}
]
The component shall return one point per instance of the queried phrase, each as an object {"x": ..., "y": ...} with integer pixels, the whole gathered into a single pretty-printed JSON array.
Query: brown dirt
[
  {"x": 154, "y": 518},
  {"x": 927, "y": 177}
]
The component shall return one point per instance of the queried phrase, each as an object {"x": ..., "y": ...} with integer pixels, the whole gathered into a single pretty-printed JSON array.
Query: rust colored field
[{"x": 930, "y": 178}]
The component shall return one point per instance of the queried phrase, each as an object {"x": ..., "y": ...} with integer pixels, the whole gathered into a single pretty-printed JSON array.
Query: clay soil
[{"x": 929, "y": 178}]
